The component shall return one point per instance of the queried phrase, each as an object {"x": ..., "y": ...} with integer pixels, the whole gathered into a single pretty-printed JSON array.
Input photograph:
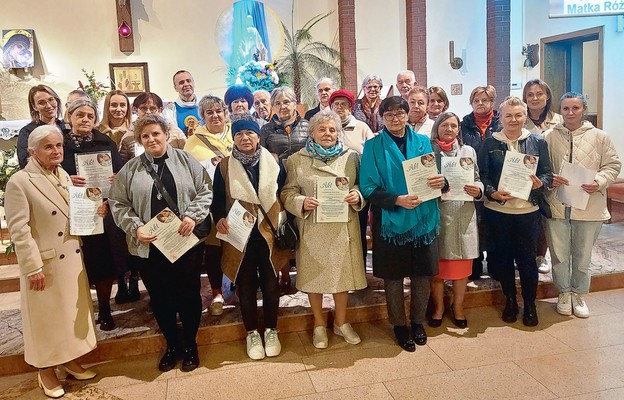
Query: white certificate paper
[
  {"x": 573, "y": 194},
  {"x": 165, "y": 226},
  {"x": 83, "y": 205},
  {"x": 516, "y": 174},
  {"x": 416, "y": 171},
  {"x": 459, "y": 172},
  {"x": 96, "y": 168},
  {"x": 240, "y": 224},
  {"x": 331, "y": 193}
]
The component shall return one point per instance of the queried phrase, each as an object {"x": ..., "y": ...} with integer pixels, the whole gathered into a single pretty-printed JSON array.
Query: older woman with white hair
[
  {"x": 329, "y": 257},
  {"x": 572, "y": 231},
  {"x": 57, "y": 314},
  {"x": 366, "y": 109}
]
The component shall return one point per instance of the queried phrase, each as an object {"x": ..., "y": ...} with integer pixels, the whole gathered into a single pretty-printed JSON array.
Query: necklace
[{"x": 161, "y": 169}]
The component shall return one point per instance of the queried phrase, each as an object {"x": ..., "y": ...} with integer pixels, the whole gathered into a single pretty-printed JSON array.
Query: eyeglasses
[
  {"x": 51, "y": 101},
  {"x": 145, "y": 109},
  {"x": 390, "y": 116},
  {"x": 479, "y": 101},
  {"x": 285, "y": 103},
  {"x": 373, "y": 87},
  {"x": 341, "y": 104},
  {"x": 213, "y": 112}
]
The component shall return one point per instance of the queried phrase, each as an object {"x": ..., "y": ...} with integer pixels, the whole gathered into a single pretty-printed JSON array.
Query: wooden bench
[{"x": 615, "y": 192}]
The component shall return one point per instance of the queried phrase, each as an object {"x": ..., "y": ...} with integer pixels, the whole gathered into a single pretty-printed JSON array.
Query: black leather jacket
[{"x": 492, "y": 156}]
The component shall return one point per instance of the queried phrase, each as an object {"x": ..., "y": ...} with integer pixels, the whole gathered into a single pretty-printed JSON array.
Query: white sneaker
[
  {"x": 319, "y": 337},
  {"x": 564, "y": 306},
  {"x": 542, "y": 265},
  {"x": 348, "y": 333},
  {"x": 255, "y": 351},
  {"x": 579, "y": 306},
  {"x": 272, "y": 345}
]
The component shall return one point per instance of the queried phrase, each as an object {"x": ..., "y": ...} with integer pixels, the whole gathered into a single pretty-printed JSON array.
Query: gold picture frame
[{"x": 132, "y": 78}]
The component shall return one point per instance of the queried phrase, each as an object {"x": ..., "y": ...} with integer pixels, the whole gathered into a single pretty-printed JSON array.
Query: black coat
[
  {"x": 492, "y": 157},
  {"x": 276, "y": 140},
  {"x": 471, "y": 134},
  {"x": 100, "y": 142}
]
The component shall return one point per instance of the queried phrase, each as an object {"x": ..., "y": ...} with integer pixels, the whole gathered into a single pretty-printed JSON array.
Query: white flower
[{"x": 12, "y": 162}]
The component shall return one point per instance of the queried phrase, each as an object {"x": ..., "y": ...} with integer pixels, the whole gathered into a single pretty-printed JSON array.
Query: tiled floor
[{"x": 564, "y": 357}]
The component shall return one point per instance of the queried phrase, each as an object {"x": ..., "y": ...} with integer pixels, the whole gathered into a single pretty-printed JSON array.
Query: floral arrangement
[
  {"x": 258, "y": 75},
  {"x": 96, "y": 90},
  {"x": 8, "y": 166}
]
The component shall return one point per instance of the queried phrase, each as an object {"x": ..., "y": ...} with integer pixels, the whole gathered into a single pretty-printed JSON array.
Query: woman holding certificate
[
  {"x": 96, "y": 155},
  {"x": 329, "y": 256},
  {"x": 512, "y": 219},
  {"x": 246, "y": 184},
  {"x": 587, "y": 163},
  {"x": 135, "y": 200},
  {"x": 405, "y": 228},
  {"x": 210, "y": 144},
  {"x": 459, "y": 237},
  {"x": 57, "y": 314}
]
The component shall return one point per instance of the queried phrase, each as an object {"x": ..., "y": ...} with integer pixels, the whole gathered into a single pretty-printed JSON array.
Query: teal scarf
[
  {"x": 382, "y": 168},
  {"x": 320, "y": 153}
]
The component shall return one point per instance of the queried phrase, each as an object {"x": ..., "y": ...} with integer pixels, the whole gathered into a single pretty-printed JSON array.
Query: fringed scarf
[{"x": 320, "y": 153}]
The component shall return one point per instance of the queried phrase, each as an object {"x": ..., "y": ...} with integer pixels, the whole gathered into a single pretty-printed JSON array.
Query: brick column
[
  {"x": 498, "y": 57},
  {"x": 416, "y": 32},
  {"x": 348, "y": 53}
]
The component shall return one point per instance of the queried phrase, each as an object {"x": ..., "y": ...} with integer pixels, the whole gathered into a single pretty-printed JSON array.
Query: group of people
[{"x": 204, "y": 155}]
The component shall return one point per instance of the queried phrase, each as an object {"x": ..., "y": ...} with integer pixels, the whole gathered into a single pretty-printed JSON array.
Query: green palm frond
[{"x": 305, "y": 61}]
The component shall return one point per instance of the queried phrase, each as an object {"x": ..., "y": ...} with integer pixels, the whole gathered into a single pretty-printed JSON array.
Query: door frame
[{"x": 596, "y": 33}]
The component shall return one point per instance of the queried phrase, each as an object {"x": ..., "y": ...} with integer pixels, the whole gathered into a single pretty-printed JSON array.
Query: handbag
[
  {"x": 286, "y": 235},
  {"x": 202, "y": 229}
]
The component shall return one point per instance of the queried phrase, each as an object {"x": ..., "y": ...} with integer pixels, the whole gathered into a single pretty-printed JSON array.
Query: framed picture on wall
[{"x": 132, "y": 78}]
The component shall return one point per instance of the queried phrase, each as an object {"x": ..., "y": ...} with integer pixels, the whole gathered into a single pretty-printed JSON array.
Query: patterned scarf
[
  {"x": 78, "y": 139},
  {"x": 371, "y": 112},
  {"x": 248, "y": 160},
  {"x": 320, "y": 153}
]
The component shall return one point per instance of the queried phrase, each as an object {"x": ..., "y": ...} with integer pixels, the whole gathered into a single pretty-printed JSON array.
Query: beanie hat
[
  {"x": 243, "y": 124},
  {"x": 238, "y": 92},
  {"x": 342, "y": 93}
]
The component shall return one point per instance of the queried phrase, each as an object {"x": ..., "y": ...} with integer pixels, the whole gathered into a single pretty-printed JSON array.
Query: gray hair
[
  {"x": 79, "y": 103},
  {"x": 574, "y": 95},
  {"x": 407, "y": 72},
  {"x": 261, "y": 91},
  {"x": 209, "y": 101},
  {"x": 325, "y": 115},
  {"x": 40, "y": 133},
  {"x": 283, "y": 90},
  {"x": 369, "y": 78},
  {"x": 327, "y": 80}
]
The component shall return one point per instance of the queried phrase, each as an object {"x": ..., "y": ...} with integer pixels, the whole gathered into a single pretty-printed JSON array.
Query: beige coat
[
  {"x": 58, "y": 321},
  {"x": 329, "y": 256}
]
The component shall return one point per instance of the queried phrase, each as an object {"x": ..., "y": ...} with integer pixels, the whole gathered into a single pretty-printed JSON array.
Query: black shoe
[
  {"x": 133, "y": 289},
  {"x": 403, "y": 338},
  {"x": 122, "y": 295},
  {"x": 434, "y": 322},
  {"x": 105, "y": 319},
  {"x": 190, "y": 360},
  {"x": 510, "y": 313},
  {"x": 530, "y": 315},
  {"x": 460, "y": 323},
  {"x": 419, "y": 334},
  {"x": 168, "y": 360}
]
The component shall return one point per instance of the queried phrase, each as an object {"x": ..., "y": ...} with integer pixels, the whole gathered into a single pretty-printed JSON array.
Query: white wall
[
  {"x": 538, "y": 25},
  {"x": 464, "y": 23},
  {"x": 169, "y": 35}
]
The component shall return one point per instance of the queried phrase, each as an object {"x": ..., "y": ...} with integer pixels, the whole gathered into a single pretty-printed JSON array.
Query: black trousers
[
  {"x": 212, "y": 263},
  {"x": 174, "y": 289},
  {"x": 513, "y": 237},
  {"x": 256, "y": 270}
]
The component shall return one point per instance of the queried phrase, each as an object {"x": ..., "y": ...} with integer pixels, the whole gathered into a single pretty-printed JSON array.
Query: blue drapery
[{"x": 248, "y": 29}]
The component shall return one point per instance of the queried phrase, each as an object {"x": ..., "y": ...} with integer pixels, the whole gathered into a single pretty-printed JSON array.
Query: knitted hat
[
  {"x": 243, "y": 124},
  {"x": 238, "y": 92},
  {"x": 342, "y": 93}
]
